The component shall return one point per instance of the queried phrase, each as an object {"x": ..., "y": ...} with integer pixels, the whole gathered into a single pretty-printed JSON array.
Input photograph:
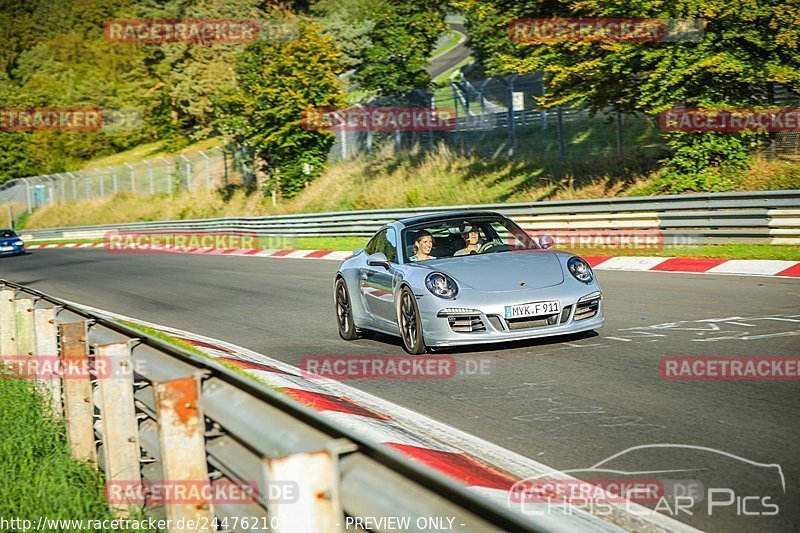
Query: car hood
[{"x": 504, "y": 271}]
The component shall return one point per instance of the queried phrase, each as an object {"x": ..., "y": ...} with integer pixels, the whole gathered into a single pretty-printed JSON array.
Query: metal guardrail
[
  {"x": 176, "y": 416},
  {"x": 763, "y": 217}
]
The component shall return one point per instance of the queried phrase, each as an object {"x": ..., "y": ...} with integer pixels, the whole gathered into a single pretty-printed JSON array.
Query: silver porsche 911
[{"x": 461, "y": 278}]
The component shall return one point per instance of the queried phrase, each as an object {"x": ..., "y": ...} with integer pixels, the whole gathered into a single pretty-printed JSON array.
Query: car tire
[
  {"x": 409, "y": 322},
  {"x": 344, "y": 311}
]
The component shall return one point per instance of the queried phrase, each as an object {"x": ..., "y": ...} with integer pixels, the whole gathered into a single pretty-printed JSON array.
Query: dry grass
[
  {"x": 410, "y": 179},
  {"x": 766, "y": 175},
  {"x": 418, "y": 178},
  {"x": 126, "y": 207},
  {"x": 152, "y": 150}
]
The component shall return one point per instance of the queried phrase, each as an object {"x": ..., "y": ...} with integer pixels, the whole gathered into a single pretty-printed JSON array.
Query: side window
[
  {"x": 372, "y": 245},
  {"x": 385, "y": 242},
  {"x": 391, "y": 246}
]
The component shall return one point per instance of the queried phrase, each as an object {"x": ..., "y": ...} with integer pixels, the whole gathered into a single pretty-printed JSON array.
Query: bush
[{"x": 704, "y": 162}]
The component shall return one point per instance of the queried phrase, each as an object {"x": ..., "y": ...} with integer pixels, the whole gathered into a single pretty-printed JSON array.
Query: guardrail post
[
  {"x": 78, "y": 406},
  {"x": 23, "y": 308},
  {"x": 46, "y": 333},
  {"x": 181, "y": 435},
  {"x": 318, "y": 506},
  {"x": 114, "y": 369},
  {"x": 8, "y": 324}
]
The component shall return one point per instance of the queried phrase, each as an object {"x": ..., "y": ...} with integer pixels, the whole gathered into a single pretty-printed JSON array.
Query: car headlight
[
  {"x": 441, "y": 285},
  {"x": 580, "y": 269},
  {"x": 17, "y": 243}
]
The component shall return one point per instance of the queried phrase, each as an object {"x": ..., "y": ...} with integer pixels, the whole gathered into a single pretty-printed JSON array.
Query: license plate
[
  {"x": 547, "y": 307},
  {"x": 6, "y": 248}
]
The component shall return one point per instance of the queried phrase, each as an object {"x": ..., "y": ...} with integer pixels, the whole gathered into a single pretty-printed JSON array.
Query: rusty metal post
[
  {"x": 8, "y": 323},
  {"x": 114, "y": 370},
  {"x": 78, "y": 406},
  {"x": 181, "y": 435},
  {"x": 26, "y": 343},
  {"x": 46, "y": 332},
  {"x": 318, "y": 505}
]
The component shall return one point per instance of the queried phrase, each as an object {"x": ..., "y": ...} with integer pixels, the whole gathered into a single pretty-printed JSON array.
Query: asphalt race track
[
  {"x": 452, "y": 57},
  {"x": 569, "y": 403}
]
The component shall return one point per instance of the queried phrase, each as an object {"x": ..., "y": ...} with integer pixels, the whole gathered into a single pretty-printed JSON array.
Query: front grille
[
  {"x": 466, "y": 323},
  {"x": 496, "y": 322},
  {"x": 565, "y": 314},
  {"x": 531, "y": 322},
  {"x": 587, "y": 309}
]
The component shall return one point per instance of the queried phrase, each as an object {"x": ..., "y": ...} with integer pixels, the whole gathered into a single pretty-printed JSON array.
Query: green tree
[
  {"x": 350, "y": 23},
  {"x": 388, "y": 42},
  {"x": 403, "y": 38},
  {"x": 62, "y": 60},
  {"x": 277, "y": 83},
  {"x": 749, "y": 47}
]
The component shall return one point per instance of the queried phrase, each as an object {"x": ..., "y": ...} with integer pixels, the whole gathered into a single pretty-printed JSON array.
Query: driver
[
  {"x": 470, "y": 236},
  {"x": 423, "y": 245}
]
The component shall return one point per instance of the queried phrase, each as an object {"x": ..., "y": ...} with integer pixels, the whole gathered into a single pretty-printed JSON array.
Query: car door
[{"x": 377, "y": 282}]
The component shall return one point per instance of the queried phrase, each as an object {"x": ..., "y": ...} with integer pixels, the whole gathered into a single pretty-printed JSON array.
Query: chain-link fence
[
  {"x": 213, "y": 168},
  {"x": 500, "y": 117}
]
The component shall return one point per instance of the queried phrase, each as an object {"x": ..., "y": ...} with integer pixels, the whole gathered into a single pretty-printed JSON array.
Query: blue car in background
[{"x": 10, "y": 242}]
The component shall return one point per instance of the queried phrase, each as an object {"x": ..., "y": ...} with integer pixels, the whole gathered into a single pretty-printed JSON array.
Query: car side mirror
[
  {"x": 546, "y": 241},
  {"x": 378, "y": 259}
]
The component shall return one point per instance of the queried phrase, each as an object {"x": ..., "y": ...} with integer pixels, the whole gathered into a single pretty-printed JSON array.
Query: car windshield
[
  {"x": 7, "y": 234},
  {"x": 458, "y": 237}
]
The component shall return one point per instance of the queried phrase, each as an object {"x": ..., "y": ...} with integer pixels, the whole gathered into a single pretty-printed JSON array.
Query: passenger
[
  {"x": 470, "y": 236},
  {"x": 423, "y": 245}
]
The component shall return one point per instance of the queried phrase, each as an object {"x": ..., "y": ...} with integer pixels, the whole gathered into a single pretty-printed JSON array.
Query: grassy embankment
[
  {"x": 418, "y": 179},
  {"x": 422, "y": 179},
  {"x": 40, "y": 478}
]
